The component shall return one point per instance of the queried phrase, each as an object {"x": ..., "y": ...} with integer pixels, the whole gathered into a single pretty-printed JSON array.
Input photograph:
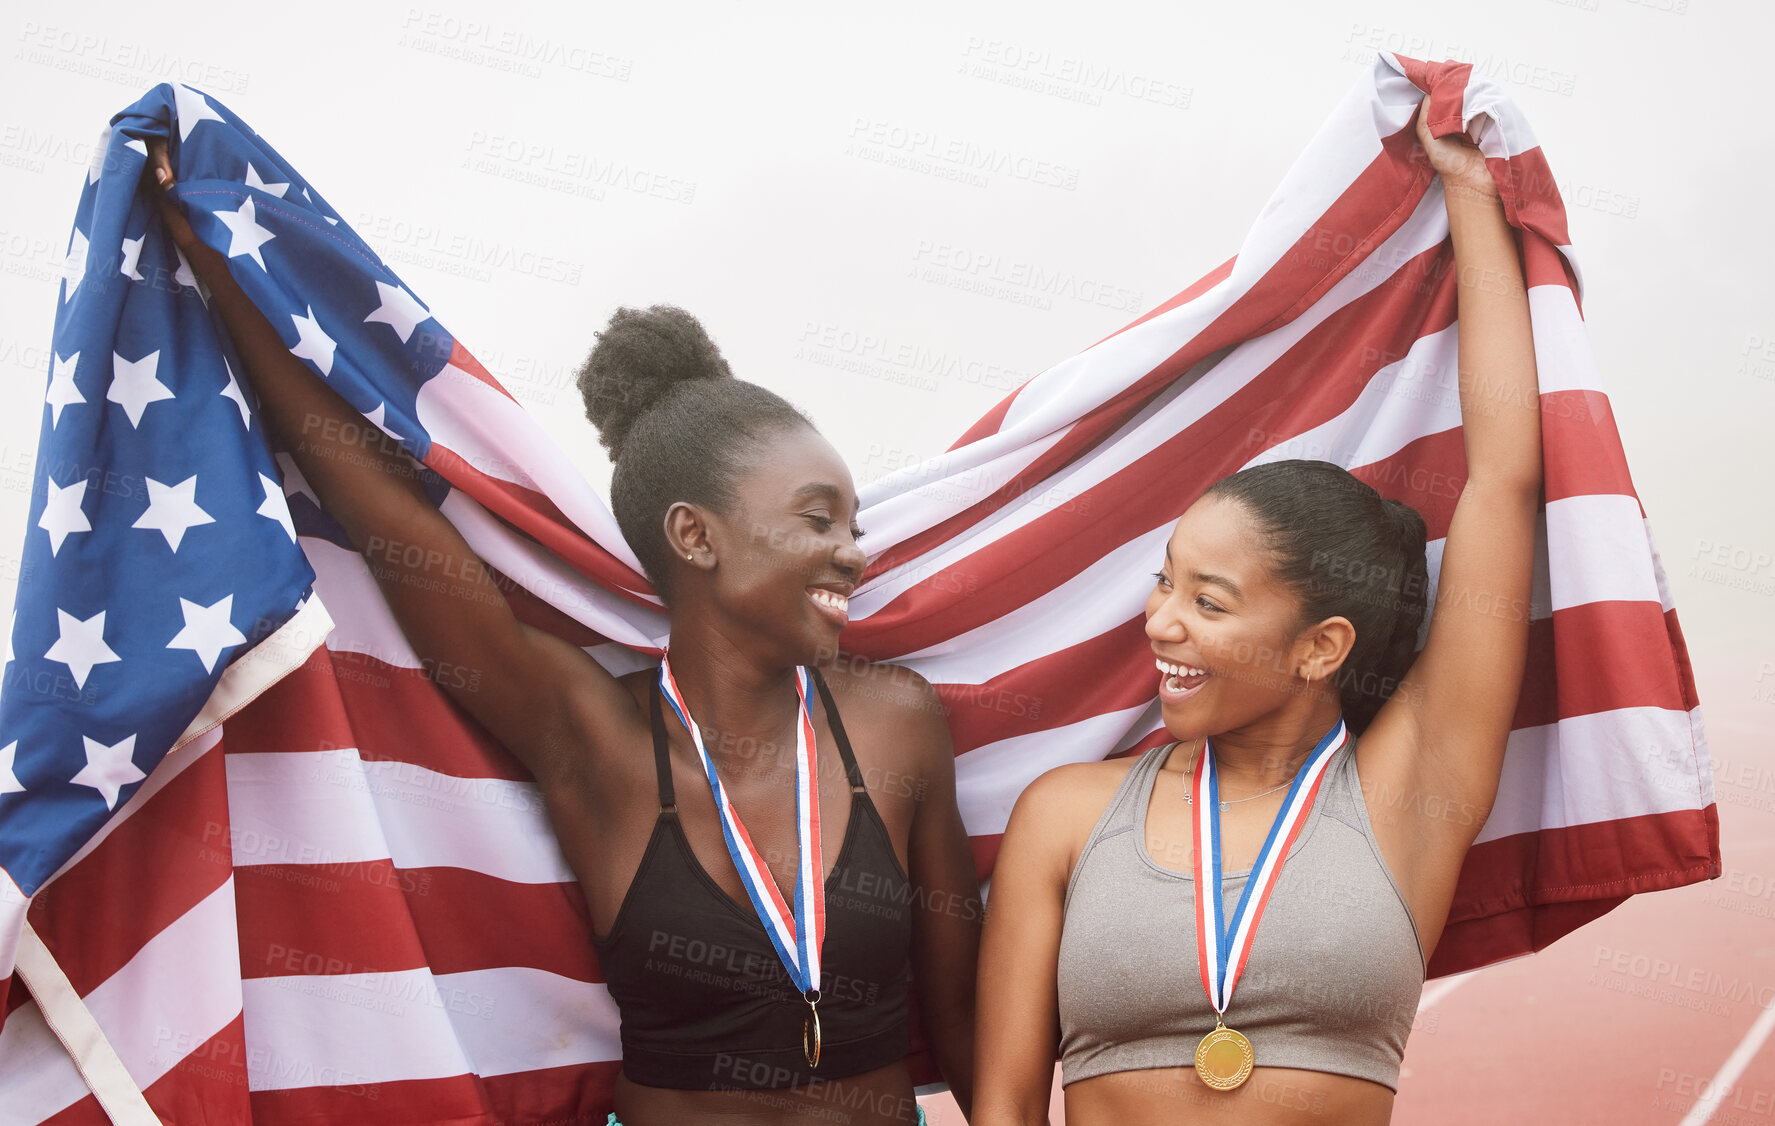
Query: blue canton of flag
[{"x": 160, "y": 545}]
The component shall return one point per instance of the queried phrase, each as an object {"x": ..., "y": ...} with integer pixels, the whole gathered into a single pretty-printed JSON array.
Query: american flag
[{"x": 339, "y": 900}]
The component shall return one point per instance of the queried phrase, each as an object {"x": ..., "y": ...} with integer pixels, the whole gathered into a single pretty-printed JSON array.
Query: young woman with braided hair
[
  {"x": 1322, "y": 783},
  {"x": 744, "y": 519}
]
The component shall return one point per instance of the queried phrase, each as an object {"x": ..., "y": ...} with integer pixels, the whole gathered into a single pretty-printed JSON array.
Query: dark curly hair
[
  {"x": 678, "y": 425},
  {"x": 1346, "y": 551}
]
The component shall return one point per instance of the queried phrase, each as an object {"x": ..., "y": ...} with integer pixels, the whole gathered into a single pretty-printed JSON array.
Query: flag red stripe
[
  {"x": 1200, "y": 286},
  {"x": 535, "y": 515},
  {"x": 1520, "y": 892},
  {"x": 209, "y": 1084},
  {"x": 460, "y": 357},
  {"x": 341, "y": 699},
  {"x": 1106, "y": 673},
  {"x": 326, "y": 919},
  {"x": 157, "y": 864},
  {"x": 458, "y": 1100},
  {"x": 1569, "y": 673},
  {"x": 1377, "y": 202},
  {"x": 1273, "y": 406},
  {"x": 473, "y": 921},
  {"x": 1582, "y": 453},
  {"x": 1428, "y": 474},
  {"x": 372, "y": 917},
  {"x": 1114, "y": 671}
]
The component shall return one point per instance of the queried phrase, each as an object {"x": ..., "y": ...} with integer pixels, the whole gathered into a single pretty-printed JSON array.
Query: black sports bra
[{"x": 706, "y": 1005}]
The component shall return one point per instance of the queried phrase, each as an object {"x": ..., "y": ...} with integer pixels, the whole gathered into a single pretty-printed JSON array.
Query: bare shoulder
[
  {"x": 881, "y": 688},
  {"x": 894, "y": 709},
  {"x": 1078, "y": 786},
  {"x": 1055, "y": 813}
]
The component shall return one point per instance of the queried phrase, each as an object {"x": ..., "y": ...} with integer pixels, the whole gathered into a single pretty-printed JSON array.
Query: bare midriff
[{"x": 1272, "y": 1096}]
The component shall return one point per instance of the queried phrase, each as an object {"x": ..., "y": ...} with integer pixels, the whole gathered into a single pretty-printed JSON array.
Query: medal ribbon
[
  {"x": 1221, "y": 950},
  {"x": 796, "y": 935}
]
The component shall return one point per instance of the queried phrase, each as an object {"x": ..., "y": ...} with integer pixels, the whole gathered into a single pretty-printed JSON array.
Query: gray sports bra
[{"x": 1335, "y": 969}]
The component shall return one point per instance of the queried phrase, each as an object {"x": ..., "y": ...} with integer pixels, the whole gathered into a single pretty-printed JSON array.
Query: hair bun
[{"x": 641, "y": 357}]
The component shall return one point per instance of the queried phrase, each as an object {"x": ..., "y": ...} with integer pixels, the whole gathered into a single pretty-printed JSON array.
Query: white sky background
[{"x": 788, "y": 235}]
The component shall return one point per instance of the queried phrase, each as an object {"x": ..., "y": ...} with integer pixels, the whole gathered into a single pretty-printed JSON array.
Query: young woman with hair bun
[
  {"x": 1233, "y": 928},
  {"x": 737, "y": 1006}
]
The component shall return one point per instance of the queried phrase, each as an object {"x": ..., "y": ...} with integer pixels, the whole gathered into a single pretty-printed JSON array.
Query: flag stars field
[
  {"x": 399, "y": 310},
  {"x": 253, "y": 181},
  {"x": 247, "y": 235},
  {"x": 74, "y": 266},
  {"x": 81, "y": 645},
  {"x": 312, "y": 344},
  {"x": 379, "y": 417},
  {"x": 192, "y": 109},
  {"x": 9, "y": 783},
  {"x": 62, "y": 390},
  {"x": 172, "y": 510},
  {"x": 207, "y": 630},
  {"x": 276, "y": 506},
  {"x": 62, "y": 514},
  {"x": 132, "y": 257},
  {"x": 294, "y": 483},
  {"x": 109, "y": 768},
  {"x": 134, "y": 384},
  {"x": 233, "y": 391},
  {"x": 186, "y": 276}
]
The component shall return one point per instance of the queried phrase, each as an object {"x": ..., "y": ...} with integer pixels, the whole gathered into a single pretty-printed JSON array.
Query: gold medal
[
  {"x": 810, "y": 1033},
  {"x": 1224, "y": 1058}
]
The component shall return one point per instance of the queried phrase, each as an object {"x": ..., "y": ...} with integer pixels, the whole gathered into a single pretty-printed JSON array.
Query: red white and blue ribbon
[
  {"x": 798, "y": 934},
  {"x": 1223, "y": 946}
]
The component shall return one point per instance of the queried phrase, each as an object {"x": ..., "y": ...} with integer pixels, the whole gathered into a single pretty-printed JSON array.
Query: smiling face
[
  {"x": 786, "y": 551},
  {"x": 1224, "y": 633}
]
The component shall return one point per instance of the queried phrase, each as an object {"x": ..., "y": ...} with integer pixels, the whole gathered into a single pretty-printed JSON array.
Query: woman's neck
[
  {"x": 1270, "y": 753},
  {"x": 731, "y": 694}
]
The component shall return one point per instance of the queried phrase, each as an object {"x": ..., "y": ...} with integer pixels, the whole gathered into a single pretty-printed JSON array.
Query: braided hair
[
  {"x": 677, "y": 424},
  {"x": 1346, "y": 551}
]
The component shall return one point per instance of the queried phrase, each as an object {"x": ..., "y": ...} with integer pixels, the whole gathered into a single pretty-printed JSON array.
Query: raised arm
[
  {"x": 538, "y": 694},
  {"x": 1446, "y": 726}
]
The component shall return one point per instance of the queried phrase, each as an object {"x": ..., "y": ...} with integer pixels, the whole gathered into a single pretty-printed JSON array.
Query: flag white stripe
[
  {"x": 1589, "y": 780},
  {"x": 513, "y": 1019},
  {"x": 1629, "y": 762},
  {"x": 176, "y": 993},
  {"x": 1099, "y": 598},
  {"x": 497, "y": 436},
  {"x": 1129, "y": 355},
  {"x": 332, "y": 807},
  {"x": 989, "y": 777},
  {"x": 36, "y": 1071},
  {"x": 348, "y": 1030},
  {"x": 74, "y": 1024},
  {"x": 1600, "y": 542},
  {"x": 1093, "y": 601},
  {"x": 545, "y": 575}
]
